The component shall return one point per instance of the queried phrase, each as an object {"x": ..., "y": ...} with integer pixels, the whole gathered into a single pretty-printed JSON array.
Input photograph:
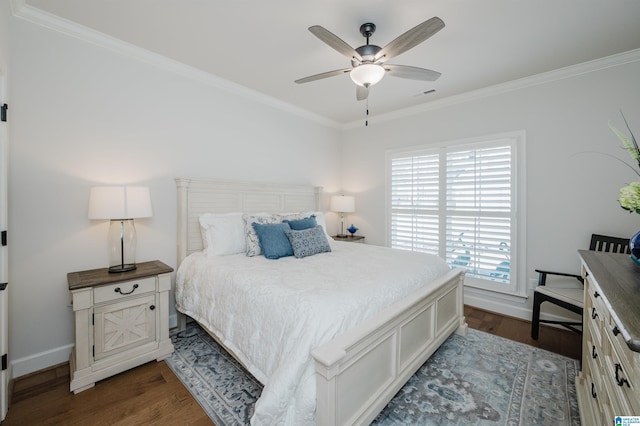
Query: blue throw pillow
[
  {"x": 308, "y": 242},
  {"x": 300, "y": 224},
  {"x": 273, "y": 240}
]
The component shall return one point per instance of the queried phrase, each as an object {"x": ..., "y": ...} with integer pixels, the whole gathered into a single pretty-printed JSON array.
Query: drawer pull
[
  {"x": 593, "y": 390},
  {"x": 152, "y": 307},
  {"x": 621, "y": 381},
  {"x": 594, "y": 355},
  {"x": 615, "y": 330},
  {"x": 594, "y": 314},
  {"x": 117, "y": 290},
  {"x": 596, "y": 294}
]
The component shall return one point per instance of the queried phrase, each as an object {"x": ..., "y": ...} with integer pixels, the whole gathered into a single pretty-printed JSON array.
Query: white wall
[
  {"x": 571, "y": 193},
  {"x": 83, "y": 115}
]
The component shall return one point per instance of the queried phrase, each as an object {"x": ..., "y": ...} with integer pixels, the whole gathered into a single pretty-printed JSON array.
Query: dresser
[
  {"x": 609, "y": 382},
  {"x": 121, "y": 321}
]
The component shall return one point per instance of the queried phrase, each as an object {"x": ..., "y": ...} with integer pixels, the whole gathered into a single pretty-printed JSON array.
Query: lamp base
[
  {"x": 341, "y": 236},
  {"x": 122, "y": 268}
]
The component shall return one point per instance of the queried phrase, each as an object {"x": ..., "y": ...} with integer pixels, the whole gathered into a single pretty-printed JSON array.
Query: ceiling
[{"x": 265, "y": 45}]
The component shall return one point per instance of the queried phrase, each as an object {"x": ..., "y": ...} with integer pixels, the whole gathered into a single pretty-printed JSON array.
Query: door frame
[{"x": 5, "y": 372}]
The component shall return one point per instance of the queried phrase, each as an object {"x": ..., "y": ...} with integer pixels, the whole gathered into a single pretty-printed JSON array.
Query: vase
[{"x": 634, "y": 245}]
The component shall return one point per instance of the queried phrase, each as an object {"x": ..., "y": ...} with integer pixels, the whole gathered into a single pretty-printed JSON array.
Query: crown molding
[
  {"x": 510, "y": 86},
  {"x": 37, "y": 16},
  {"x": 45, "y": 19}
]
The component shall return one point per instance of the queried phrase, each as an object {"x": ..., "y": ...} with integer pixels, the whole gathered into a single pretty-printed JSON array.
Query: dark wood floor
[{"x": 152, "y": 394}]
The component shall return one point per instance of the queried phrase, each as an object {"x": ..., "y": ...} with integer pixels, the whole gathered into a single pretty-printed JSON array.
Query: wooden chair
[{"x": 567, "y": 289}]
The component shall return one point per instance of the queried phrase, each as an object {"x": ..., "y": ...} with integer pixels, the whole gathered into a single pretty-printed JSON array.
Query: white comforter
[{"x": 272, "y": 313}]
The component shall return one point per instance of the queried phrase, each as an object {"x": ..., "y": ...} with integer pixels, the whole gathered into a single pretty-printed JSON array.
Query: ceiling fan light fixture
[{"x": 367, "y": 74}]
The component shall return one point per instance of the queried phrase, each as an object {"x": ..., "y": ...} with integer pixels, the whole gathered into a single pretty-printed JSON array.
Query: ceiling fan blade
[
  {"x": 411, "y": 38},
  {"x": 362, "y": 93},
  {"x": 412, "y": 73},
  {"x": 335, "y": 42},
  {"x": 322, "y": 75}
]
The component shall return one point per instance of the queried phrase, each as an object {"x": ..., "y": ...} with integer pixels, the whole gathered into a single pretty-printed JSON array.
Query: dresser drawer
[
  {"x": 595, "y": 316},
  {"x": 594, "y": 395},
  {"x": 109, "y": 293},
  {"x": 619, "y": 345},
  {"x": 620, "y": 382}
]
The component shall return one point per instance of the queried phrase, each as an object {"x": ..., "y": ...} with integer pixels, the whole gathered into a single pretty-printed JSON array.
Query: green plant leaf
[{"x": 628, "y": 144}]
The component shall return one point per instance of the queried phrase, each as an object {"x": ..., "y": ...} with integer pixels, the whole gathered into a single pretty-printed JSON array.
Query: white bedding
[{"x": 272, "y": 313}]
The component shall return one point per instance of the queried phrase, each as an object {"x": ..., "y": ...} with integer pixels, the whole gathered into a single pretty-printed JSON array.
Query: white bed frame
[{"x": 358, "y": 372}]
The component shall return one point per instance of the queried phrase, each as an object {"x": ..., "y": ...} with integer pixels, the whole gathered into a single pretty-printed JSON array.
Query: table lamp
[
  {"x": 120, "y": 205},
  {"x": 343, "y": 204}
]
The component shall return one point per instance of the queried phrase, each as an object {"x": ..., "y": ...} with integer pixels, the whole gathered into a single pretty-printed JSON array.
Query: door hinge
[
  {"x": 3, "y": 286},
  {"x": 3, "y": 115},
  {"x": 4, "y": 362},
  {"x": 93, "y": 350},
  {"x": 4, "y": 238},
  {"x": 93, "y": 319}
]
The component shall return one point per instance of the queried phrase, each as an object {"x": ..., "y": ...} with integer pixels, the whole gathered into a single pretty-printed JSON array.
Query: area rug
[{"x": 479, "y": 379}]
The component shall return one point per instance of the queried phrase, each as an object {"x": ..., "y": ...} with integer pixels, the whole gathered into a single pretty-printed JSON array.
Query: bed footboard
[{"x": 358, "y": 372}]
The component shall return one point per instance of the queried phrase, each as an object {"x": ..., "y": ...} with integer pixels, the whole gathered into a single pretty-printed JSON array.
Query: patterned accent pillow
[
  {"x": 253, "y": 242},
  {"x": 273, "y": 240},
  {"x": 308, "y": 242}
]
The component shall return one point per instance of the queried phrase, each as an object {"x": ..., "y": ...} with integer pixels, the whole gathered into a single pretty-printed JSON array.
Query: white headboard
[{"x": 198, "y": 196}]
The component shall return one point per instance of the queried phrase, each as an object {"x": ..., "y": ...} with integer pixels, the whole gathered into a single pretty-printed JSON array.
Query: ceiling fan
[{"x": 368, "y": 61}]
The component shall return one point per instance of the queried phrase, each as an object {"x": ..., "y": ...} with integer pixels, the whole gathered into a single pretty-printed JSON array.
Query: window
[{"x": 460, "y": 202}]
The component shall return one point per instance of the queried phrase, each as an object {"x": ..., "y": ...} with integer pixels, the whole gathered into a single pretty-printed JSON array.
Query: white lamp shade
[
  {"x": 119, "y": 202},
  {"x": 367, "y": 74},
  {"x": 343, "y": 204}
]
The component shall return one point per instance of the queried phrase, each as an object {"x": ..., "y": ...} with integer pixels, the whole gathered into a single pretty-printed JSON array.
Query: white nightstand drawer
[{"x": 109, "y": 293}]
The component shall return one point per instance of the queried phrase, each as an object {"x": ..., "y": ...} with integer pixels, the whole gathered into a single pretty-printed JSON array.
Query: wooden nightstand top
[
  {"x": 102, "y": 276},
  {"x": 349, "y": 238}
]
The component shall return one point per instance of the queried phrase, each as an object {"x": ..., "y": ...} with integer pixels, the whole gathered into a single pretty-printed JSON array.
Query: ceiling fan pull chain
[{"x": 366, "y": 119}]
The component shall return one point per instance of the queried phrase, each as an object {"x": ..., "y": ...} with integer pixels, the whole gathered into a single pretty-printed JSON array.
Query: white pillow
[{"x": 222, "y": 233}]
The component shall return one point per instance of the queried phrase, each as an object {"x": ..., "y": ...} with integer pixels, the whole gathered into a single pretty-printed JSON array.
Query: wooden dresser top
[{"x": 619, "y": 279}]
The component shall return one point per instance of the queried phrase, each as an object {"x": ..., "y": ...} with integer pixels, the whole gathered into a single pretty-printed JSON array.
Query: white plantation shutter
[
  {"x": 458, "y": 202},
  {"x": 414, "y": 200}
]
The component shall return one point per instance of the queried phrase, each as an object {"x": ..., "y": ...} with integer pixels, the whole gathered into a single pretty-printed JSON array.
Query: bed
[{"x": 330, "y": 340}]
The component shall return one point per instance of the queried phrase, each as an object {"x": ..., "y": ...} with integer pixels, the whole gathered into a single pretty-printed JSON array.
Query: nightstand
[
  {"x": 350, "y": 238},
  {"x": 121, "y": 321}
]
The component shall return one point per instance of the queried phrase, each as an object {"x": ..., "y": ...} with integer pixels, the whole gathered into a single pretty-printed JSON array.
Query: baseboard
[
  {"x": 493, "y": 303},
  {"x": 40, "y": 361},
  {"x": 44, "y": 360},
  {"x": 511, "y": 307}
]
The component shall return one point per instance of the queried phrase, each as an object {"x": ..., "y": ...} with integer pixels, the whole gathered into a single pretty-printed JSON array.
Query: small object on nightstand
[
  {"x": 349, "y": 238},
  {"x": 121, "y": 321},
  {"x": 352, "y": 229}
]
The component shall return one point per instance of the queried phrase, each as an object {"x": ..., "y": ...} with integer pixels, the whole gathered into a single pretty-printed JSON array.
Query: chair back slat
[{"x": 609, "y": 244}]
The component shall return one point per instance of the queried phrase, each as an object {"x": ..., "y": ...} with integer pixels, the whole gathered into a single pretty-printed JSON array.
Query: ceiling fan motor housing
[{"x": 367, "y": 52}]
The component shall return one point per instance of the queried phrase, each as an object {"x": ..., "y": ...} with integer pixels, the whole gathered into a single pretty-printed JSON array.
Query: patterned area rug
[{"x": 480, "y": 379}]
